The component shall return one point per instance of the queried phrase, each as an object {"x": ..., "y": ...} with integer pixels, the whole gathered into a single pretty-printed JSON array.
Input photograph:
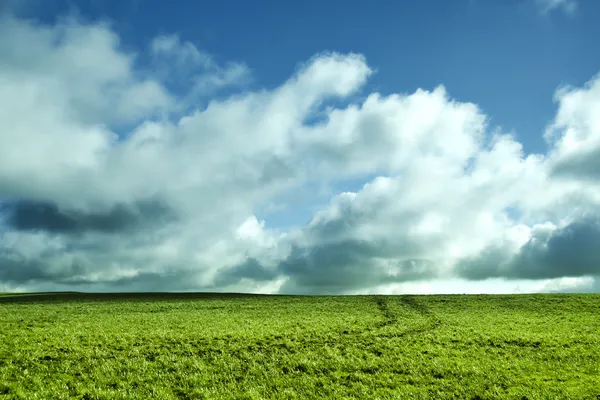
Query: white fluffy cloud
[
  {"x": 171, "y": 204},
  {"x": 575, "y": 132}
]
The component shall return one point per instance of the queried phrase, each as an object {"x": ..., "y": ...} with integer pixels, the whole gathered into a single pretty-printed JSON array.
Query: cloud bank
[{"x": 118, "y": 177}]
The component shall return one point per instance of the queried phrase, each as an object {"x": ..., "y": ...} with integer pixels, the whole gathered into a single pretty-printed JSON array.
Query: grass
[{"x": 225, "y": 346}]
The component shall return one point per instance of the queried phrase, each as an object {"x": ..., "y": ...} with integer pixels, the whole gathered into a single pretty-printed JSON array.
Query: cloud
[
  {"x": 26, "y": 215},
  {"x": 479, "y": 210},
  {"x": 568, "y": 6},
  {"x": 183, "y": 54},
  {"x": 250, "y": 268},
  {"x": 77, "y": 67},
  {"x": 550, "y": 252},
  {"x": 575, "y": 132},
  {"x": 181, "y": 63},
  {"x": 351, "y": 265},
  {"x": 114, "y": 178}
]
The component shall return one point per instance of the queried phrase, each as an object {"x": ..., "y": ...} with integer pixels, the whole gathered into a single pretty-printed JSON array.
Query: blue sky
[{"x": 274, "y": 146}]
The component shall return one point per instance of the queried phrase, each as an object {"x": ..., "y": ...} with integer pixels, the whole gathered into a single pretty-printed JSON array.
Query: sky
[{"x": 300, "y": 147}]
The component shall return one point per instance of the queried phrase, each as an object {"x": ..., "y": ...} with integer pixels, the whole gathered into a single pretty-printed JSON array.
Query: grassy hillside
[{"x": 202, "y": 346}]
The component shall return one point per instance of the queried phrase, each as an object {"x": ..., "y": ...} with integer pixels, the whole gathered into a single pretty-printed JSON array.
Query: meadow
[{"x": 228, "y": 346}]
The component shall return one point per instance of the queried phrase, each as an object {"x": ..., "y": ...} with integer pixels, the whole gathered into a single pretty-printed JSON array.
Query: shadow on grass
[{"x": 142, "y": 296}]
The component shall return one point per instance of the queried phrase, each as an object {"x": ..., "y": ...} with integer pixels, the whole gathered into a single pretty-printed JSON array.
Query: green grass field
[{"x": 202, "y": 346}]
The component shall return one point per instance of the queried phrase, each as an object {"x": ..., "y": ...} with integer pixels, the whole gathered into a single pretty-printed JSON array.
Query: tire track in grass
[
  {"x": 348, "y": 336},
  {"x": 390, "y": 317},
  {"x": 431, "y": 323},
  {"x": 411, "y": 302}
]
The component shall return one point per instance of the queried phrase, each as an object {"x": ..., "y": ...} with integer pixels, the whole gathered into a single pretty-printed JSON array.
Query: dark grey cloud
[
  {"x": 275, "y": 169},
  {"x": 349, "y": 265},
  {"x": 573, "y": 251},
  {"x": 78, "y": 273},
  {"x": 585, "y": 166},
  {"x": 251, "y": 268},
  {"x": 28, "y": 215},
  {"x": 333, "y": 267},
  {"x": 46, "y": 245},
  {"x": 15, "y": 269},
  {"x": 330, "y": 265},
  {"x": 165, "y": 280}
]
